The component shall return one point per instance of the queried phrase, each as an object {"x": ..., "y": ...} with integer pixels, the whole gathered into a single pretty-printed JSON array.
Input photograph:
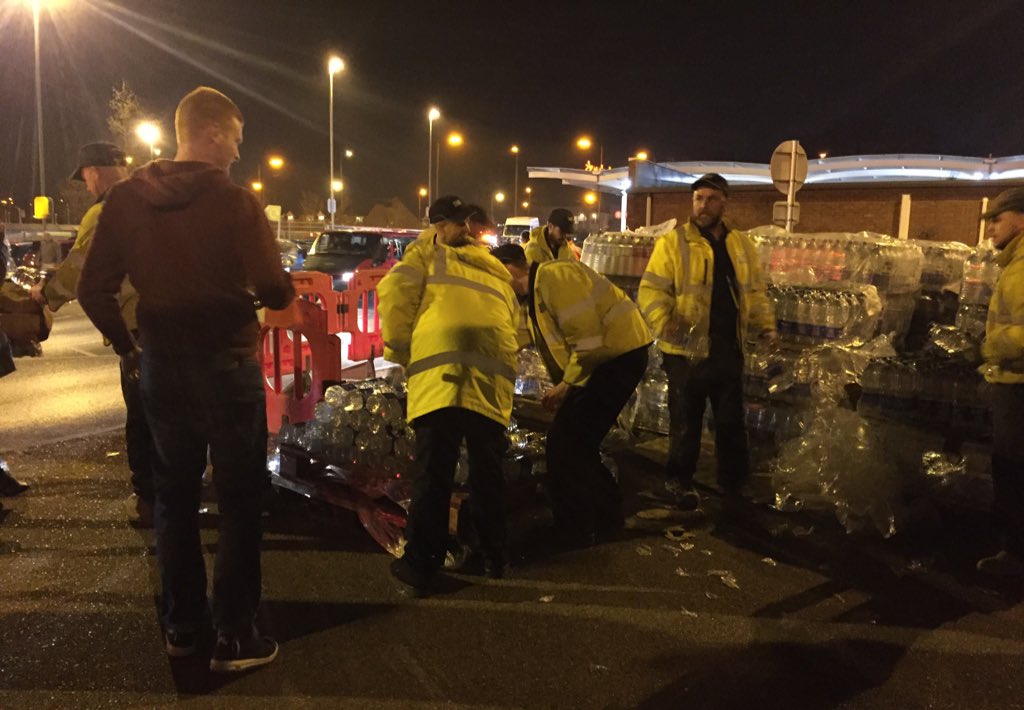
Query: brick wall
[{"x": 938, "y": 212}]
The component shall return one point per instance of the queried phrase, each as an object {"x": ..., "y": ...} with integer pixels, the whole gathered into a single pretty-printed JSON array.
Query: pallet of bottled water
[
  {"x": 623, "y": 254},
  {"x": 933, "y": 393},
  {"x": 818, "y": 315},
  {"x": 890, "y": 265}
]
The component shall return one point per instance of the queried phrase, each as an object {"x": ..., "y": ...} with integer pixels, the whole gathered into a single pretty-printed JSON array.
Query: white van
[{"x": 517, "y": 229}]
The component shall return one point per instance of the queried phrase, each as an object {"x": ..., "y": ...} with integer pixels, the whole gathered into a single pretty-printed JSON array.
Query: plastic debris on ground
[
  {"x": 686, "y": 612},
  {"x": 727, "y": 577},
  {"x": 644, "y": 550},
  {"x": 547, "y": 599}
]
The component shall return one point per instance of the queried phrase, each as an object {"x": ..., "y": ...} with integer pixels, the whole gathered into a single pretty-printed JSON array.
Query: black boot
[{"x": 9, "y": 485}]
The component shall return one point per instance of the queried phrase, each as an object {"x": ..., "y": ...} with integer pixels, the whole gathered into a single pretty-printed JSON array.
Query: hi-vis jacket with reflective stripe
[
  {"x": 1003, "y": 348},
  {"x": 538, "y": 251},
  {"x": 678, "y": 282},
  {"x": 583, "y": 320},
  {"x": 62, "y": 287},
  {"x": 449, "y": 316}
]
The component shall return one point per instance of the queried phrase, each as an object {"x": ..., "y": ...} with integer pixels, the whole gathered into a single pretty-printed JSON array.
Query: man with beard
[
  {"x": 1003, "y": 351},
  {"x": 703, "y": 295}
]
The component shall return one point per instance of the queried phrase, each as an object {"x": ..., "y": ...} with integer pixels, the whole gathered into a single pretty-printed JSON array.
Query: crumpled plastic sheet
[
  {"x": 954, "y": 343},
  {"x": 836, "y": 465},
  {"x": 532, "y": 377},
  {"x": 963, "y": 480}
]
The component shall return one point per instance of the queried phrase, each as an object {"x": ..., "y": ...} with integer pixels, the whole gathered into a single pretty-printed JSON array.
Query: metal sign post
[{"x": 789, "y": 170}]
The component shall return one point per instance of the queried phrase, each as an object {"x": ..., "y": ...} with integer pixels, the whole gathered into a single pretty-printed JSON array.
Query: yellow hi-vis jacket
[
  {"x": 538, "y": 251},
  {"x": 449, "y": 316},
  {"x": 62, "y": 287},
  {"x": 1003, "y": 349},
  {"x": 582, "y": 320},
  {"x": 677, "y": 283},
  {"x": 429, "y": 233}
]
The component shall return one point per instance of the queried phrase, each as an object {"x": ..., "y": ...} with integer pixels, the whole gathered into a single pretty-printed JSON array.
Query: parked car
[{"x": 342, "y": 251}]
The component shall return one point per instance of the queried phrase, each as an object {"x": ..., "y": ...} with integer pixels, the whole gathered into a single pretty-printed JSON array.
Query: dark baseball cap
[
  {"x": 509, "y": 254},
  {"x": 712, "y": 180},
  {"x": 563, "y": 219},
  {"x": 449, "y": 208},
  {"x": 1011, "y": 200},
  {"x": 99, "y": 155}
]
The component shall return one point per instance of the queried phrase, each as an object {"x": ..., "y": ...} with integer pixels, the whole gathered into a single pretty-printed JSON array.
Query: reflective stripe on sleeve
[{"x": 656, "y": 281}]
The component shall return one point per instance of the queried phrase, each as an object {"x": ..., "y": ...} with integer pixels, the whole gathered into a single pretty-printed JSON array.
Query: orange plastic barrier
[
  {"x": 294, "y": 376},
  {"x": 360, "y": 316}
]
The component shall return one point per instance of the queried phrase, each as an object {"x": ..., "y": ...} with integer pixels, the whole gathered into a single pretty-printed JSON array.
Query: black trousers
[
  {"x": 719, "y": 378},
  {"x": 584, "y": 494},
  {"x": 1008, "y": 464},
  {"x": 439, "y": 435}
]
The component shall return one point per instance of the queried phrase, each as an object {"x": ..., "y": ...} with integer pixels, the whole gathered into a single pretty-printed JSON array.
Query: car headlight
[{"x": 347, "y": 276}]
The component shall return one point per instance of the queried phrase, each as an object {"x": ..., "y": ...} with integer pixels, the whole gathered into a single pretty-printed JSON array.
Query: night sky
[{"x": 686, "y": 81}]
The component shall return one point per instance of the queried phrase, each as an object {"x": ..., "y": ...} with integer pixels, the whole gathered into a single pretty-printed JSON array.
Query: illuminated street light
[
  {"x": 276, "y": 162},
  {"x": 585, "y": 143},
  {"x": 515, "y": 175},
  {"x": 498, "y": 197},
  {"x": 641, "y": 155},
  {"x": 335, "y": 64},
  {"x": 526, "y": 205},
  {"x": 432, "y": 115},
  {"x": 822, "y": 155},
  {"x": 337, "y": 186},
  {"x": 528, "y": 190},
  {"x": 149, "y": 133},
  {"x": 419, "y": 204},
  {"x": 256, "y": 186},
  {"x": 349, "y": 153},
  {"x": 156, "y": 152},
  {"x": 590, "y": 198},
  {"x": 129, "y": 159},
  {"x": 454, "y": 140}
]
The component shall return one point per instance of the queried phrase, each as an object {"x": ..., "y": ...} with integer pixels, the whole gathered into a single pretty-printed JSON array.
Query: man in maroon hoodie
[{"x": 201, "y": 254}]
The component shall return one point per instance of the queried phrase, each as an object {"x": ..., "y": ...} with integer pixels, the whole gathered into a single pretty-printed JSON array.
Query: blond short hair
[{"x": 200, "y": 108}]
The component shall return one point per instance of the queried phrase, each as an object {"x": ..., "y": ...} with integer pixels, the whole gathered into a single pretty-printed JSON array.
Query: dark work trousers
[
  {"x": 585, "y": 496},
  {"x": 718, "y": 378},
  {"x": 196, "y": 400},
  {"x": 439, "y": 435},
  {"x": 1008, "y": 464},
  {"x": 138, "y": 440}
]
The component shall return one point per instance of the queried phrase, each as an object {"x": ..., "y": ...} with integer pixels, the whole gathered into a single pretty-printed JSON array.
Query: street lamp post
[
  {"x": 275, "y": 163},
  {"x": 432, "y": 115},
  {"x": 515, "y": 176},
  {"x": 39, "y": 98},
  {"x": 334, "y": 65},
  {"x": 149, "y": 133},
  {"x": 498, "y": 197},
  {"x": 584, "y": 143},
  {"x": 419, "y": 204},
  {"x": 455, "y": 140}
]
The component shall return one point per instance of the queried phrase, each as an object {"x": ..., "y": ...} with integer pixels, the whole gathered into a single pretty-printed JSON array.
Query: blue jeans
[{"x": 195, "y": 400}]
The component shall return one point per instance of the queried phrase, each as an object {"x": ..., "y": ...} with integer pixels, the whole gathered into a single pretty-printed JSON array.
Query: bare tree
[{"x": 125, "y": 113}]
